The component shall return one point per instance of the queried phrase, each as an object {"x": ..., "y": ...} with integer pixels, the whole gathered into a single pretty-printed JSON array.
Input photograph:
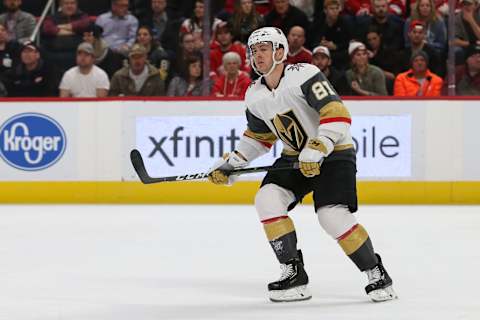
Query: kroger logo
[{"x": 31, "y": 141}]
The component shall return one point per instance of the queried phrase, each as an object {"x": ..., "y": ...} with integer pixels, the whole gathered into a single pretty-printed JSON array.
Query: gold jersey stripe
[
  {"x": 341, "y": 147},
  {"x": 334, "y": 109},
  {"x": 262, "y": 137},
  {"x": 354, "y": 240},
  {"x": 278, "y": 228}
]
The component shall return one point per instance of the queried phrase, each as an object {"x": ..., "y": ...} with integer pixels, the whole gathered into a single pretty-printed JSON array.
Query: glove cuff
[{"x": 322, "y": 144}]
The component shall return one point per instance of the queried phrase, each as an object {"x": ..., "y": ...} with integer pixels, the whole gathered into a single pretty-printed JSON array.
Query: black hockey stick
[{"x": 139, "y": 167}]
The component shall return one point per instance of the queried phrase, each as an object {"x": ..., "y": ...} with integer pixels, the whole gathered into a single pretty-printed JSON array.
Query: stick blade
[{"x": 139, "y": 166}]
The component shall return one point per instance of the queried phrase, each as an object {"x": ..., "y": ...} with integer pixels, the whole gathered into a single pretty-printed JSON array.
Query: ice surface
[{"x": 213, "y": 262}]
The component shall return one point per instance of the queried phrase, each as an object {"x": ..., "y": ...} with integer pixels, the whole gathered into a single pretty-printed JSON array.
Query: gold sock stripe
[
  {"x": 354, "y": 240},
  {"x": 278, "y": 228}
]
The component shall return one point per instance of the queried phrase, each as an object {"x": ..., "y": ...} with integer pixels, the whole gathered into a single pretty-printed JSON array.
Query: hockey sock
[
  {"x": 358, "y": 247},
  {"x": 281, "y": 234}
]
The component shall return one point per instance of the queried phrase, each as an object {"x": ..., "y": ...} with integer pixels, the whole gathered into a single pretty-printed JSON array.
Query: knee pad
[
  {"x": 336, "y": 220},
  {"x": 272, "y": 201}
]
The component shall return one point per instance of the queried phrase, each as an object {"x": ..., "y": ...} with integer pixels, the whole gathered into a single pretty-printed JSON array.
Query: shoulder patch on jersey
[{"x": 295, "y": 67}]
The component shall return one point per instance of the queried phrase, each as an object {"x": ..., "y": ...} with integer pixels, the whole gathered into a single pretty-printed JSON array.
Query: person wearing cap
[
  {"x": 138, "y": 78},
  {"x": 234, "y": 82},
  {"x": 297, "y": 52},
  {"x": 419, "y": 81},
  {"x": 334, "y": 32},
  {"x": 436, "y": 30},
  {"x": 467, "y": 76},
  {"x": 85, "y": 80},
  {"x": 321, "y": 58},
  {"x": 417, "y": 34},
  {"x": 30, "y": 78},
  {"x": 223, "y": 44},
  {"x": 363, "y": 78},
  {"x": 19, "y": 24},
  {"x": 467, "y": 28}
]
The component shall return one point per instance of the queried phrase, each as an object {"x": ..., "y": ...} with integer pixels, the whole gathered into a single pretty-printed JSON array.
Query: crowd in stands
[{"x": 155, "y": 47}]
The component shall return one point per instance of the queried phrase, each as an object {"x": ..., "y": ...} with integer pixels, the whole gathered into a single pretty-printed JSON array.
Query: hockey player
[{"x": 297, "y": 104}]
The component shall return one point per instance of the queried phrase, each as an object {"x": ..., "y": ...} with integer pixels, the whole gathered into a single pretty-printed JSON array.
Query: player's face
[
  {"x": 419, "y": 64},
  {"x": 262, "y": 55},
  {"x": 321, "y": 60}
]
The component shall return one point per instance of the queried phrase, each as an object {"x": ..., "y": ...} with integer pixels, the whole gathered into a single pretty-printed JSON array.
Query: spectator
[
  {"x": 358, "y": 7},
  {"x": 86, "y": 80},
  {"x": 467, "y": 28},
  {"x": 417, "y": 35},
  {"x": 364, "y": 78},
  {"x": 306, "y": 6},
  {"x": 31, "y": 78},
  {"x": 234, "y": 83},
  {"x": 297, "y": 53},
  {"x": 189, "y": 81},
  {"x": 224, "y": 43},
  {"x": 424, "y": 10},
  {"x": 186, "y": 49},
  {"x": 284, "y": 16},
  {"x": 62, "y": 33},
  {"x": 157, "y": 56},
  {"x": 105, "y": 58},
  {"x": 244, "y": 20},
  {"x": 19, "y": 24},
  {"x": 9, "y": 52},
  {"x": 194, "y": 24},
  {"x": 419, "y": 81},
  {"x": 389, "y": 25},
  {"x": 321, "y": 59},
  {"x": 384, "y": 58},
  {"x": 334, "y": 33},
  {"x": 164, "y": 24},
  {"x": 467, "y": 76},
  {"x": 138, "y": 78},
  {"x": 119, "y": 27}
]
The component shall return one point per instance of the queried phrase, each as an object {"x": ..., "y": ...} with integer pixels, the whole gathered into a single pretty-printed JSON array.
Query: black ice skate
[
  {"x": 379, "y": 286},
  {"x": 292, "y": 285}
]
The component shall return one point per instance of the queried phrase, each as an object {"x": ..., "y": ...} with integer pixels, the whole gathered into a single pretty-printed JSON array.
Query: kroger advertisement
[
  {"x": 185, "y": 145},
  {"x": 33, "y": 147}
]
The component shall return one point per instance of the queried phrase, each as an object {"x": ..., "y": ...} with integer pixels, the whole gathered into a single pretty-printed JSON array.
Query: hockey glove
[
  {"x": 220, "y": 171},
  {"x": 311, "y": 158}
]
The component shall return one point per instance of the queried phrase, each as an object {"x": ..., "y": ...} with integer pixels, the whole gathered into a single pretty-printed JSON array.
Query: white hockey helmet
[{"x": 272, "y": 35}]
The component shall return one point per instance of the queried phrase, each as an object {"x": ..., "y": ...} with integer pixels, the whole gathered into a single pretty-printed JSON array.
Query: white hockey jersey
[{"x": 304, "y": 105}]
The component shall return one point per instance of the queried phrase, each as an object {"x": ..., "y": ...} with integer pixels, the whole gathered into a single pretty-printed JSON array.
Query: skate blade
[
  {"x": 294, "y": 294},
  {"x": 382, "y": 295}
]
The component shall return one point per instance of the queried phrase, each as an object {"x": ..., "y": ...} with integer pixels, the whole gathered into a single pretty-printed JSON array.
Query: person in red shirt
[
  {"x": 223, "y": 44},
  {"x": 297, "y": 53},
  {"x": 234, "y": 83}
]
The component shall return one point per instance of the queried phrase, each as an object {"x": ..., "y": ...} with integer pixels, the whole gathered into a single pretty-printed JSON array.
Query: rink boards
[{"x": 57, "y": 151}]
